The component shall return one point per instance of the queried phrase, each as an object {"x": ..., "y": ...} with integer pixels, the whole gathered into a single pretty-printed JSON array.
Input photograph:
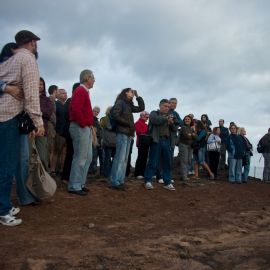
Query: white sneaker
[
  {"x": 139, "y": 177},
  {"x": 14, "y": 211},
  {"x": 9, "y": 220},
  {"x": 149, "y": 185},
  {"x": 169, "y": 187},
  {"x": 160, "y": 181}
]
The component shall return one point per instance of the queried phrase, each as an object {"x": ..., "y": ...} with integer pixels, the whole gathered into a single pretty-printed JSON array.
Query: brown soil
[{"x": 203, "y": 225}]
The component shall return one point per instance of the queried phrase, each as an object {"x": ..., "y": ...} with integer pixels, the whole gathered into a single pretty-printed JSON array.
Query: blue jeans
[
  {"x": 199, "y": 156},
  {"x": 160, "y": 151},
  {"x": 246, "y": 169},
  {"x": 9, "y": 158},
  {"x": 120, "y": 160},
  {"x": 235, "y": 170},
  {"x": 109, "y": 153},
  {"x": 82, "y": 156},
  {"x": 23, "y": 194}
]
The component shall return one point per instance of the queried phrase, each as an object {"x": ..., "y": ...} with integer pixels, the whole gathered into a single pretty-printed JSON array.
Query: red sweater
[
  {"x": 141, "y": 128},
  {"x": 80, "y": 109}
]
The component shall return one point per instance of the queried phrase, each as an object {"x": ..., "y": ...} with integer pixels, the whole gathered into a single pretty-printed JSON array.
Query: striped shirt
[{"x": 22, "y": 70}]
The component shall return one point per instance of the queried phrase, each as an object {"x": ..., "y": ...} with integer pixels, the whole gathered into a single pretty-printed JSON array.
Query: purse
[
  {"x": 25, "y": 123},
  {"x": 39, "y": 182},
  {"x": 145, "y": 140},
  {"x": 213, "y": 146}
]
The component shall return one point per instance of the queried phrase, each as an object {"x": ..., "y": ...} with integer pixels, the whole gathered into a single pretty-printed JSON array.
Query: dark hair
[
  {"x": 199, "y": 125},
  {"x": 215, "y": 129},
  {"x": 164, "y": 100},
  {"x": 206, "y": 116},
  {"x": 122, "y": 95},
  {"x": 75, "y": 85},
  {"x": 44, "y": 86},
  {"x": 52, "y": 88},
  {"x": 7, "y": 51}
]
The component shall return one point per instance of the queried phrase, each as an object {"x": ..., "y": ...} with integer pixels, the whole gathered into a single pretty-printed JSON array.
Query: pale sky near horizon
[{"x": 213, "y": 56}]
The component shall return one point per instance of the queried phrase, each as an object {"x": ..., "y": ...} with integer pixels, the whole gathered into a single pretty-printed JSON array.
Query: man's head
[
  {"x": 61, "y": 95},
  {"x": 28, "y": 40},
  {"x": 87, "y": 78},
  {"x": 144, "y": 115},
  {"x": 96, "y": 111},
  {"x": 53, "y": 90},
  {"x": 164, "y": 106},
  {"x": 173, "y": 103},
  {"x": 221, "y": 122}
]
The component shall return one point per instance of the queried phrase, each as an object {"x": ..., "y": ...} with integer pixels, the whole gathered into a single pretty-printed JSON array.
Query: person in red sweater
[
  {"x": 141, "y": 128},
  {"x": 81, "y": 123}
]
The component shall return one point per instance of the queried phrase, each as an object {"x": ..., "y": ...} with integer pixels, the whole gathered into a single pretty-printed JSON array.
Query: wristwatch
[{"x": 2, "y": 87}]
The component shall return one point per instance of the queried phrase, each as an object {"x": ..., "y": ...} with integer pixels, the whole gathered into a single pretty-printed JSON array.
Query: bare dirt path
[{"x": 203, "y": 225}]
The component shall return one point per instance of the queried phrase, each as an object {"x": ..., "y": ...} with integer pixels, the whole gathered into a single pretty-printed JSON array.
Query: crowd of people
[{"x": 72, "y": 141}]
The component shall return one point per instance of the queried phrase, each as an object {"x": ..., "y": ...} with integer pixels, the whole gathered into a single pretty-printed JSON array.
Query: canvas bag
[
  {"x": 213, "y": 146},
  {"x": 39, "y": 182}
]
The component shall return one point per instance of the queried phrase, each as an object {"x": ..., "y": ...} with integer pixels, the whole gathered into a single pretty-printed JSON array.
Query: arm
[
  {"x": 140, "y": 107},
  {"x": 157, "y": 120},
  {"x": 30, "y": 79}
]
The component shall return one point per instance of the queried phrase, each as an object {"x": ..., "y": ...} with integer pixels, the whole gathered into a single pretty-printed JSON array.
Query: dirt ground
[{"x": 202, "y": 225}]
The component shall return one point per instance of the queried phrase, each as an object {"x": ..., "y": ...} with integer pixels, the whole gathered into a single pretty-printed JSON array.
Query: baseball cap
[{"x": 25, "y": 36}]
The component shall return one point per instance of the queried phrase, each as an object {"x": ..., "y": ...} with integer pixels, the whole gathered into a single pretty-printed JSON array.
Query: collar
[{"x": 84, "y": 87}]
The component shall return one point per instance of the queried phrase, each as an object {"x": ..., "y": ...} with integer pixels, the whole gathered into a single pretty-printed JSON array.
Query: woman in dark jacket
[
  {"x": 236, "y": 151},
  {"x": 186, "y": 138},
  {"x": 247, "y": 155},
  {"x": 47, "y": 108},
  {"x": 199, "y": 149},
  {"x": 122, "y": 115}
]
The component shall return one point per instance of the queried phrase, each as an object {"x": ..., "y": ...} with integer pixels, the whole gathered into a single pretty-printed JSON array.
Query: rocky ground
[{"x": 203, "y": 225}]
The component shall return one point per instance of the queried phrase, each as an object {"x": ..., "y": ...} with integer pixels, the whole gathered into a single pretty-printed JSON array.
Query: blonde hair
[{"x": 239, "y": 130}]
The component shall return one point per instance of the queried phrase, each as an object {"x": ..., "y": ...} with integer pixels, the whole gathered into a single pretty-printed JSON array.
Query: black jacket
[{"x": 122, "y": 114}]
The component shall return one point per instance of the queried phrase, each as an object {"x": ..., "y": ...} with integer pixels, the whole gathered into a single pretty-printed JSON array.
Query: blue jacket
[
  {"x": 235, "y": 147},
  {"x": 224, "y": 133}
]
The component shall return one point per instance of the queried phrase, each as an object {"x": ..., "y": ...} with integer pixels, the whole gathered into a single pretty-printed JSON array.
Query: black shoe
[
  {"x": 78, "y": 192},
  {"x": 85, "y": 189},
  {"x": 120, "y": 188}
]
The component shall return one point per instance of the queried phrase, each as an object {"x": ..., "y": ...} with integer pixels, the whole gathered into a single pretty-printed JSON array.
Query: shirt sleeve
[{"x": 30, "y": 79}]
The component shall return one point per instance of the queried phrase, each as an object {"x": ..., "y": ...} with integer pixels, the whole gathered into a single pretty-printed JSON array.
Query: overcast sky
[{"x": 213, "y": 56}]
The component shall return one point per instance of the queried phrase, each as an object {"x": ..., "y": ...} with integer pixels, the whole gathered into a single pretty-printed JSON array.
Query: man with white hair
[{"x": 81, "y": 124}]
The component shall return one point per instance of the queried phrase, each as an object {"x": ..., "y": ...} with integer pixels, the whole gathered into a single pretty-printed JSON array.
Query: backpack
[
  {"x": 112, "y": 122},
  {"x": 259, "y": 148}
]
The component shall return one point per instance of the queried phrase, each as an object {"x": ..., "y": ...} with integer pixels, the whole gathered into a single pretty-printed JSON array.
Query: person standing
[
  {"x": 265, "y": 143},
  {"x": 60, "y": 141},
  {"x": 214, "y": 152},
  {"x": 81, "y": 125},
  {"x": 123, "y": 117},
  {"x": 186, "y": 138},
  {"x": 224, "y": 133},
  {"x": 141, "y": 128},
  {"x": 247, "y": 156},
  {"x": 236, "y": 150},
  {"x": 161, "y": 128},
  {"x": 97, "y": 149},
  {"x": 23, "y": 69}
]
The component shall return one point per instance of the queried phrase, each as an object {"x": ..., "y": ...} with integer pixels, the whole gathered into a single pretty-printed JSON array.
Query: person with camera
[{"x": 161, "y": 127}]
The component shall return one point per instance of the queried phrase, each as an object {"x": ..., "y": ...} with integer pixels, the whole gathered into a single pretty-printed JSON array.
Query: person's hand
[
  {"x": 135, "y": 93},
  {"x": 15, "y": 91},
  {"x": 170, "y": 119},
  {"x": 40, "y": 131}
]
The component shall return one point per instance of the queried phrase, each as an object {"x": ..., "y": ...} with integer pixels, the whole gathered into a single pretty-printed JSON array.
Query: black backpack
[{"x": 259, "y": 148}]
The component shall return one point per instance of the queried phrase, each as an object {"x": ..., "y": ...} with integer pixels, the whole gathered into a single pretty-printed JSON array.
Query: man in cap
[{"x": 20, "y": 69}]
